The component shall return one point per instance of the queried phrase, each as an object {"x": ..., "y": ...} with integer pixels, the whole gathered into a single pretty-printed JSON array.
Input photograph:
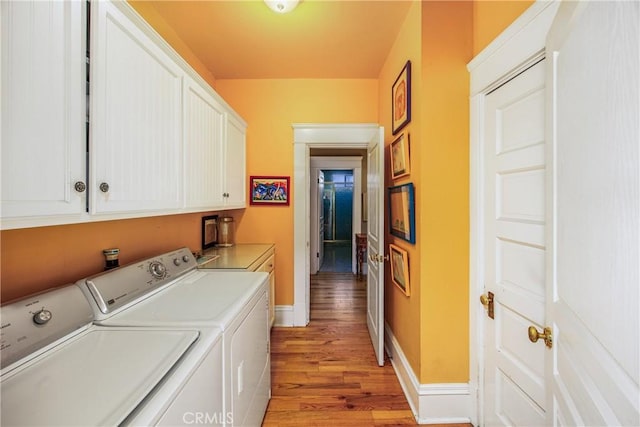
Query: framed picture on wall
[
  {"x": 400, "y": 268},
  {"x": 401, "y": 99},
  {"x": 400, "y": 161},
  {"x": 269, "y": 190},
  {"x": 209, "y": 231},
  {"x": 402, "y": 216}
]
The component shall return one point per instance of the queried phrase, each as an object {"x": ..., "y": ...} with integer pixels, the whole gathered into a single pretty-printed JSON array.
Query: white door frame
[
  {"x": 305, "y": 137},
  {"x": 513, "y": 51},
  {"x": 354, "y": 164}
]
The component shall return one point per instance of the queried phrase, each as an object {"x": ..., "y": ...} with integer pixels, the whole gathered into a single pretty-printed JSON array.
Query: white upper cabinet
[
  {"x": 235, "y": 160},
  {"x": 203, "y": 155},
  {"x": 159, "y": 139},
  {"x": 136, "y": 117},
  {"x": 43, "y": 110}
]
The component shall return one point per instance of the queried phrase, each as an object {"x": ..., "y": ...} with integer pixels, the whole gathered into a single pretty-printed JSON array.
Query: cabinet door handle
[
  {"x": 80, "y": 186},
  {"x": 104, "y": 187}
]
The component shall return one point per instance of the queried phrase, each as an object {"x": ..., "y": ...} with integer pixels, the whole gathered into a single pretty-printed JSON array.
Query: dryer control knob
[
  {"x": 177, "y": 261},
  {"x": 157, "y": 269},
  {"x": 42, "y": 317},
  {"x": 185, "y": 258}
]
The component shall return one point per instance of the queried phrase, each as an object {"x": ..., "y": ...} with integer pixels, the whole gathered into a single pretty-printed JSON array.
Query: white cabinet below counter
[{"x": 245, "y": 257}]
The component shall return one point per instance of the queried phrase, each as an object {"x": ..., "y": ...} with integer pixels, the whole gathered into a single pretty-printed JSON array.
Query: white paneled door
[
  {"x": 375, "y": 244},
  {"x": 514, "y": 292},
  {"x": 593, "y": 274}
]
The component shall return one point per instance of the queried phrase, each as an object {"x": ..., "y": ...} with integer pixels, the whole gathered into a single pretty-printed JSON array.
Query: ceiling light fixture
[{"x": 282, "y": 6}]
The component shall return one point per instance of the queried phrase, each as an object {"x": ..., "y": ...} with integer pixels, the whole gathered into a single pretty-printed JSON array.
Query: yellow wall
[
  {"x": 270, "y": 107},
  {"x": 491, "y": 17},
  {"x": 431, "y": 325},
  {"x": 402, "y": 313},
  {"x": 35, "y": 259},
  {"x": 149, "y": 13},
  {"x": 445, "y": 191}
]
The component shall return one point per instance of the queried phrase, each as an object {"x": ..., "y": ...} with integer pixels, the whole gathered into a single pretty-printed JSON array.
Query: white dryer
[
  {"x": 58, "y": 369},
  {"x": 168, "y": 291}
]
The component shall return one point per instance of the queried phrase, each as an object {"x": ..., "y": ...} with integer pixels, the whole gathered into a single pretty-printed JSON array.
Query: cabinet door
[
  {"x": 43, "y": 108},
  {"x": 203, "y": 136},
  {"x": 235, "y": 163},
  {"x": 136, "y": 120}
]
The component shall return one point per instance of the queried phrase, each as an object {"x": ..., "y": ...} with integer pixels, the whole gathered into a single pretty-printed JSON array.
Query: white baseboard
[
  {"x": 448, "y": 403},
  {"x": 284, "y": 315}
]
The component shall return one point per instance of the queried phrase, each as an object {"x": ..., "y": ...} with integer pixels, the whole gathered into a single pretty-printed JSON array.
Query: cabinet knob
[
  {"x": 80, "y": 186},
  {"x": 104, "y": 187}
]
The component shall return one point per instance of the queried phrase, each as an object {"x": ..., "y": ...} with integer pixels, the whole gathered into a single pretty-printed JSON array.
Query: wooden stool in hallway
[{"x": 361, "y": 251}]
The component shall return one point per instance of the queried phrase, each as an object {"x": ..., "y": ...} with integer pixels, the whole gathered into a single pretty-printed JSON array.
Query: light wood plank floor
[{"x": 326, "y": 374}]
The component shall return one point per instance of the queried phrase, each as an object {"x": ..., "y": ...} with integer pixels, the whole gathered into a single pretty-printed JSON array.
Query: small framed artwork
[
  {"x": 402, "y": 217},
  {"x": 269, "y": 190},
  {"x": 209, "y": 231},
  {"x": 399, "y": 268},
  {"x": 400, "y": 161},
  {"x": 401, "y": 99}
]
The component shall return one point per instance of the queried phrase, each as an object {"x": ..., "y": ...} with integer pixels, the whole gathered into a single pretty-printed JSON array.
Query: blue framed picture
[{"x": 402, "y": 215}]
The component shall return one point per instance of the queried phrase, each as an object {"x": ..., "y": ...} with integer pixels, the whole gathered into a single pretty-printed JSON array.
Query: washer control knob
[
  {"x": 157, "y": 269},
  {"x": 42, "y": 317},
  {"x": 177, "y": 261},
  {"x": 185, "y": 258}
]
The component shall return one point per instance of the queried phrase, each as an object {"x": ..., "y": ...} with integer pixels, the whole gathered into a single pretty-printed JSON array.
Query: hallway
[
  {"x": 337, "y": 257},
  {"x": 326, "y": 374}
]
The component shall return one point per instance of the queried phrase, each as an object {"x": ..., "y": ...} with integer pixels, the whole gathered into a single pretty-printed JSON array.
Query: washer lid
[
  {"x": 199, "y": 299},
  {"x": 96, "y": 378}
]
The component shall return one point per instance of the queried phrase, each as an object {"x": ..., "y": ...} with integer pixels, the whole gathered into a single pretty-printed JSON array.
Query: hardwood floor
[{"x": 326, "y": 374}]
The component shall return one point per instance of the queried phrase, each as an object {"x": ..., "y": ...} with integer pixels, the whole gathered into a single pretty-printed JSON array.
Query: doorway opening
[
  {"x": 307, "y": 138},
  {"x": 337, "y": 211}
]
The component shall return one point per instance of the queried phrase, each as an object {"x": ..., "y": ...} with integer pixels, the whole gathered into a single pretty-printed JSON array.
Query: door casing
[
  {"x": 514, "y": 50},
  {"x": 305, "y": 137}
]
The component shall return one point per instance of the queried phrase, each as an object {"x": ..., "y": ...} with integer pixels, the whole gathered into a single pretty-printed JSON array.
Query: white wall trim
[
  {"x": 305, "y": 136},
  {"x": 284, "y": 315},
  {"x": 518, "y": 47},
  {"x": 515, "y": 46},
  {"x": 448, "y": 403}
]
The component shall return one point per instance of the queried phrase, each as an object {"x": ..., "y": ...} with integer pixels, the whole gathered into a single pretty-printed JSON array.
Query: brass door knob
[
  {"x": 484, "y": 300},
  {"x": 487, "y": 301},
  {"x": 535, "y": 335}
]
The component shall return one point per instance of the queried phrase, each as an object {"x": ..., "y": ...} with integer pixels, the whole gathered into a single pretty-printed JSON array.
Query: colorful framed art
[
  {"x": 269, "y": 190},
  {"x": 400, "y": 159},
  {"x": 401, "y": 99},
  {"x": 400, "y": 268},
  {"x": 402, "y": 216}
]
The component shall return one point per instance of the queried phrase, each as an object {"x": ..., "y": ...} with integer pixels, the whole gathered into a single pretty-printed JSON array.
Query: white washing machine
[
  {"x": 58, "y": 369},
  {"x": 168, "y": 291}
]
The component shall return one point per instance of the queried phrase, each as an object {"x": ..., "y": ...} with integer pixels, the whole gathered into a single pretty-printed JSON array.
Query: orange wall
[
  {"x": 270, "y": 107},
  {"x": 35, "y": 259},
  {"x": 149, "y": 13},
  {"x": 445, "y": 191},
  {"x": 402, "y": 313},
  {"x": 491, "y": 17}
]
